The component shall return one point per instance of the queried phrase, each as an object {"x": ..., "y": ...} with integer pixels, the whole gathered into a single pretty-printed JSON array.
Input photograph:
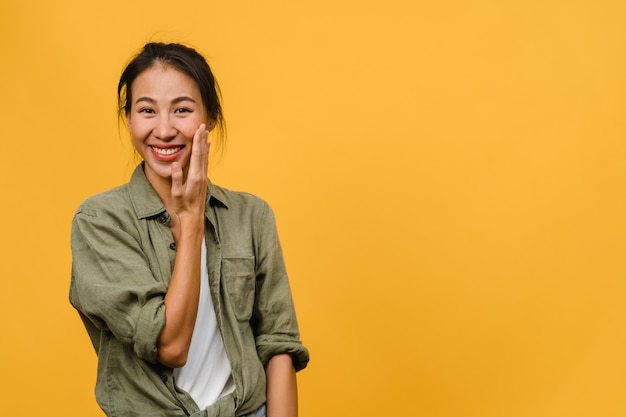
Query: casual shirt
[{"x": 123, "y": 255}]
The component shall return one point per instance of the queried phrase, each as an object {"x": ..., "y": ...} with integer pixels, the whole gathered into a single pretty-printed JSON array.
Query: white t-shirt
[{"x": 207, "y": 374}]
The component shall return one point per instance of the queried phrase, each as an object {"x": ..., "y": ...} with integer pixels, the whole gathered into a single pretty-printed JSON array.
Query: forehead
[{"x": 164, "y": 81}]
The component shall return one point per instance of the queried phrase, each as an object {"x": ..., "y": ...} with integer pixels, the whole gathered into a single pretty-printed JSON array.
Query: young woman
[{"x": 180, "y": 283}]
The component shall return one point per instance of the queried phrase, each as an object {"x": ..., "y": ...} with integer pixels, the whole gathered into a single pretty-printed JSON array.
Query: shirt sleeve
[
  {"x": 274, "y": 317},
  {"x": 112, "y": 286}
]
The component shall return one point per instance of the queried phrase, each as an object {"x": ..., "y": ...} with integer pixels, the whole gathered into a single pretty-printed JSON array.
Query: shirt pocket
[{"x": 238, "y": 278}]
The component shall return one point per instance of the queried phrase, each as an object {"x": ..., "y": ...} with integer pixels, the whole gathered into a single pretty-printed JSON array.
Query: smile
[
  {"x": 166, "y": 151},
  {"x": 166, "y": 154}
]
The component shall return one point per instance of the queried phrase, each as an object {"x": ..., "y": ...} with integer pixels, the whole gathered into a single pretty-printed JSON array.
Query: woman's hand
[{"x": 188, "y": 197}]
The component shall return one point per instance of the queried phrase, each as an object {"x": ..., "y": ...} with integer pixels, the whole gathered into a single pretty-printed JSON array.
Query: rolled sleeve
[
  {"x": 112, "y": 285},
  {"x": 149, "y": 326},
  {"x": 274, "y": 318},
  {"x": 270, "y": 346}
]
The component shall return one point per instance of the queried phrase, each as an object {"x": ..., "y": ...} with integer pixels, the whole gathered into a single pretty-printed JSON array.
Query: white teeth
[{"x": 168, "y": 151}]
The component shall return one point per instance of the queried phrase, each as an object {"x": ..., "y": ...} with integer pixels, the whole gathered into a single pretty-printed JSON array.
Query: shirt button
[
  {"x": 162, "y": 219},
  {"x": 173, "y": 246},
  {"x": 164, "y": 379}
]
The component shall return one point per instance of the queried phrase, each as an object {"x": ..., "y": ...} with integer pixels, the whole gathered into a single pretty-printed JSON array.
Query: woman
[{"x": 180, "y": 283}]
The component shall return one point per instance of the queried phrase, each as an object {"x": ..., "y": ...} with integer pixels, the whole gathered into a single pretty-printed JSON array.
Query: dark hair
[{"x": 186, "y": 60}]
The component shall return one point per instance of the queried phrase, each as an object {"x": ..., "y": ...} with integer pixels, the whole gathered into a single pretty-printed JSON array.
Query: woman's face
[{"x": 166, "y": 111}]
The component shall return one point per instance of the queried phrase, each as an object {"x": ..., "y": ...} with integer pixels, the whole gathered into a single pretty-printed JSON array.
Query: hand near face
[{"x": 188, "y": 197}]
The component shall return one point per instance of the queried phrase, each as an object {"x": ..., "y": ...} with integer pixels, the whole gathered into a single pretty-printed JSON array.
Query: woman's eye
[
  {"x": 150, "y": 111},
  {"x": 182, "y": 110}
]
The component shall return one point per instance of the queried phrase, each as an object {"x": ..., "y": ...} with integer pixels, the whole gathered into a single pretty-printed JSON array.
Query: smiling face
[{"x": 165, "y": 112}]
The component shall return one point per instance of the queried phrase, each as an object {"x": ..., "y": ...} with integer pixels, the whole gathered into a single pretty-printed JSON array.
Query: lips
[{"x": 166, "y": 154}]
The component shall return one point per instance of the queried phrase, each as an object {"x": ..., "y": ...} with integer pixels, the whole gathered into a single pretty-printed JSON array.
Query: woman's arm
[
  {"x": 181, "y": 299},
  {"x": 282, "y": 390},
  {"x": 187, "y": 208}
]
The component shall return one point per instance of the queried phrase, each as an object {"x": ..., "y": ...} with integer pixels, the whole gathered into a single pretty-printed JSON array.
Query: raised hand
[{"x": 189, "y": 194}]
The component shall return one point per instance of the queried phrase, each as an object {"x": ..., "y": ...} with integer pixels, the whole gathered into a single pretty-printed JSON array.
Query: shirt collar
[{"x": 147, "y": 203}]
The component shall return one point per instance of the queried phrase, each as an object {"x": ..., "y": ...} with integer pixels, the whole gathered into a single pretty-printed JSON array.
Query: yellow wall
[{"x": 448, "y": 178}]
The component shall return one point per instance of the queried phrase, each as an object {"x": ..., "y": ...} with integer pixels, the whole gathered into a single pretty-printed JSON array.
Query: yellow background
[{"x": 448, "y": 179}]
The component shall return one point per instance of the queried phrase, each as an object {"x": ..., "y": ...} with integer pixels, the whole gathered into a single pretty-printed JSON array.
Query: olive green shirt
[{"x": 122, "y": 259}]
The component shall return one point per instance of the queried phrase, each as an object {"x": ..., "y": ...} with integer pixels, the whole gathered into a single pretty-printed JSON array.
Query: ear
[{"x": 210, "y": 125}]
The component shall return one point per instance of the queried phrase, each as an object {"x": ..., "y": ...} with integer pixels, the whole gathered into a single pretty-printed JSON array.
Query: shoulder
[
  {"x": 238, "y": 200},
  {"x": 111, "y": 203},
  {"x": 241, "y": 209},
  {"x": 100, "y": 218}
]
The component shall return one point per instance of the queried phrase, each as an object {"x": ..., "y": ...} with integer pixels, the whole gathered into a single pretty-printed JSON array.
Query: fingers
[
  {"x": 188, "y": 192},
  {"x": 199, "y": 163},
  {"x": 177, "y": 180}
]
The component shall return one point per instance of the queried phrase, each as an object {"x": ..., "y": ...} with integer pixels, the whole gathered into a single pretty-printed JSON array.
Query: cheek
[
  {"x": 189, "y": 130},
  {"x": 189, "y": 133},
  {"x": 137, "y": 129}
]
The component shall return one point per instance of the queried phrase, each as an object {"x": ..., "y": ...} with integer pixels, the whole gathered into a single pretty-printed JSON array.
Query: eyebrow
[{"x": 175, "y": 101}]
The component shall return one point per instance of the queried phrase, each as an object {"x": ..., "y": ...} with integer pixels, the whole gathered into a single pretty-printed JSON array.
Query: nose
[{"x": 164, "y": 130}]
